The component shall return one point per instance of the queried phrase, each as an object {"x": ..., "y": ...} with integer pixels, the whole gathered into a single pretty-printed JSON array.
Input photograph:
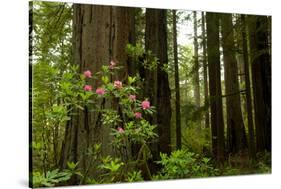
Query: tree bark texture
[
  {"x": 251, "y": 132},
  {"x": 261, "y": 78},
  {"x": 205, "y": 72},
  {"x": 236, "y": 137},
  {"x": 217, "y": 125},
  {"x": 196, "y": 63},
  {"x": 156, "y": 81},
  {"x": 177, "y": 87}
]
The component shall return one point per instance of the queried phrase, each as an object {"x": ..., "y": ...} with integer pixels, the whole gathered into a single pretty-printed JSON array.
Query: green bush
[
  {"x": 198, "y": 138},
  {"x": 54, "y": 177},
  {"x": 184, "y": 164}
]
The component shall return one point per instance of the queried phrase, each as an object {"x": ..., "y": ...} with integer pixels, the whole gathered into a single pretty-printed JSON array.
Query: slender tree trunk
[
  {"x": 177, "y": 86},
  {"x": 251, "y": 133},
  {"x": 205, "y": 73},
  {"x": 261, "y": 78},
  {"x": 156, "y": 82},
  {"x": 236, "y": 136},
  {"x": 196, "y": 63},
  {"x": 100, "y": 34},
  {"x": 217, "y": 125},
  {"x": 132, "y": 68}
]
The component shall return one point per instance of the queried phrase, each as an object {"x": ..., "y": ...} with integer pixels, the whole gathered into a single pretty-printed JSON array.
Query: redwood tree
[
  {"x": 205, "y": 71},
  {"x": 196, "y": 63},
  {"x": 100, "y": 34},
  {"x": 236, "y": 137},
  {"x": 261, "y": 78},
  {"x": 177, "y": 85},
  {"x": 156, "y": 81},
  {"x": 251, "y": 133},
  {"x": 217, "y": 125}
]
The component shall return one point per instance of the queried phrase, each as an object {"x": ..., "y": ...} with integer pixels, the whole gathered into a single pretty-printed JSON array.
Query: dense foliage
[{"x": 64, "y": 93}]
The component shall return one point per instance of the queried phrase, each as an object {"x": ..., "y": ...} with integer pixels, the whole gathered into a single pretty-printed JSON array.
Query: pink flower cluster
[
  {"x": 120, "y": 130},
  {"x": 88, "y": 73},
  {"x": 145, "y": 104},
  {"x": 88, "y": 88},
  {"x": 132, "y": 97},
  {"x": 100, "y": 91},
  {"x": 118, "y": 84},
  {"x": 138, "y": 115}
]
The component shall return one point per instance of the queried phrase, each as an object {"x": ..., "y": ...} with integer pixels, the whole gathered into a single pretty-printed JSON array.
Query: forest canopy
[{"x": 122, "y": 94}]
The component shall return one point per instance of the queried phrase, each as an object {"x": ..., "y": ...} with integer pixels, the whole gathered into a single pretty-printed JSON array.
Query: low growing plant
[{"x": 184, "y": 164}]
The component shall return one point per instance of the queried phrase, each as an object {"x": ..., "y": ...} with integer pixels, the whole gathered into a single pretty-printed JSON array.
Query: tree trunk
[
  {"x": 100, "y": 34},
  {"x": 261, "y": 78},
  {"x": 236, "y": 137},
  {"x": 251, "y": 133},
  {"x": 205, "y": 73},
  {"x": 123, "y": 32},
  {"x": 217, "y": 125},
  {"x": 177, "y": 87},
  {"x": 196, "y": 63},
  {"x": 156, "y": 81},
  {"x": 132, "y": 68}
]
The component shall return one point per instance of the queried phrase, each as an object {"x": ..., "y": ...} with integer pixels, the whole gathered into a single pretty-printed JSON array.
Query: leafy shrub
[
  {"x": 264, "y": 162},
  {"x": 198, "y": 138},
  {"x": 134, "y": 176},
  {"x": 263, "y": 168},
  {"x": 184, "y": 164},
  {"x": 51, "y": 179},
  {"x": 54, "y": 177}
]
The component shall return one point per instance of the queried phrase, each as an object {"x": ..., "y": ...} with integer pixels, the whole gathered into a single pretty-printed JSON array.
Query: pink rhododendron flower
[
  {"x": 120, "y": 130},
  {"x": 118, "y": 84},
  {"x": 145, "y": 104},
  {"x": 87, "y": 73},
  {"x": 132, "y": 97},
  {"x": 112, "y": 64},
  {"x": 138, "y": 115},
  {"x": 100, "y": 91},
  {"x": 88, "y": 88}
]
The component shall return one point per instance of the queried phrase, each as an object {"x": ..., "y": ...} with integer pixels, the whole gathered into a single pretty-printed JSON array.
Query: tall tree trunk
[
  {"x": 241, "y": 73},
  {"x": 196, "y": 63},
  {"x": 251, "y": 133},
  {"x": 156, "y": 82},
  {"x": 236, "y": 136},
  {"x": 205, "y": 73},
  {"x": 123, "y": 32},
  {"x": 100, "y": 34},
  {"x": 132, "y": 68},
  {"x": 177, "y": 86},
  {"x": 217, "y": 125},
  {"x": 261, "y": 78}
]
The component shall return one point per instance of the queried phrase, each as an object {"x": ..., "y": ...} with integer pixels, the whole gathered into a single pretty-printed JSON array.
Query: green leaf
[
  {"x": 105, "y": 79},
  {"x": 72, "y": 165},
  {"x": 131, "y": 80}
]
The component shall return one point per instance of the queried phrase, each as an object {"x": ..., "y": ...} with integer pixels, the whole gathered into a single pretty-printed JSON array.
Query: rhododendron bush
[
  {"x": 126, "y": 117},
  {"x": 130, "y": 125}
]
